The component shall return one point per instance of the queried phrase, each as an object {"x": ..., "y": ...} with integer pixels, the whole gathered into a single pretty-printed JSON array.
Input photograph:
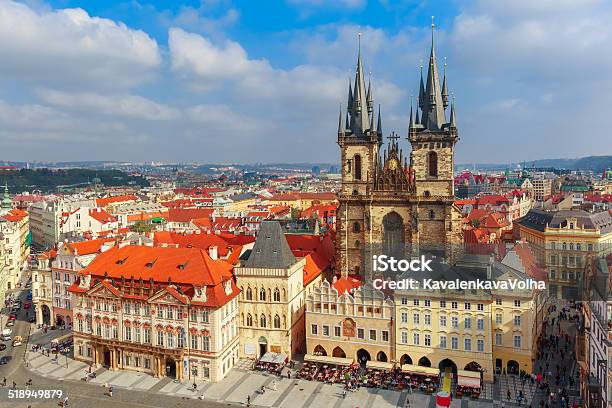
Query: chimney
[{"x": 212, "y": 252}]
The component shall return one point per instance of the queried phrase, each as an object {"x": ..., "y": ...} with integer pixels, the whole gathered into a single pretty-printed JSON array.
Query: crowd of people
[
  {"x": 551, "y": 376},
  {"x": 355, "y": 376}
]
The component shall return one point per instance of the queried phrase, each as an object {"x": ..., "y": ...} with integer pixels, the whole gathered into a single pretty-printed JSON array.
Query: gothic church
[{"x": 390, "y": 202}]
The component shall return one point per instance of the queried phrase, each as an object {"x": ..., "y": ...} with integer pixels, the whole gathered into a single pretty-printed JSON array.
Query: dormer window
[{"x": 149, "y": 265}]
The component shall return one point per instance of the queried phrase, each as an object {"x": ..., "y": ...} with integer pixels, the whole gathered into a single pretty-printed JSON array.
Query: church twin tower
[{"x": 389, "y": 203}]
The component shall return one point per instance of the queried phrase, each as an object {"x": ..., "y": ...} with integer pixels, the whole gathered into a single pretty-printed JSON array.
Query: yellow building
[
  {"x": 563, "y": 240},
  {"x": 346, "y": 321},
  {"x": 273, "y": 285},
  {"x": 476, "y": 330}
]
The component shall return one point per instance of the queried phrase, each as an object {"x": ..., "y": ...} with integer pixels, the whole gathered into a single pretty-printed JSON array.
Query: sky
[{"x": 262, "y": 81}]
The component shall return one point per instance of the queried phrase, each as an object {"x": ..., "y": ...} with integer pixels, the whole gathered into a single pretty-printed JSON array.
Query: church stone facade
[{"x": 389, "y": 202}]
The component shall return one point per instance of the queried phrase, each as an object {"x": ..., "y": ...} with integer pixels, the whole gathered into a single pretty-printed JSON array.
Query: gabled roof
[{"x": 271, "y": 249}]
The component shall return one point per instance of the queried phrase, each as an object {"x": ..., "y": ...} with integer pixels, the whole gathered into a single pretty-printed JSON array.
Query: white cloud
[
  {"x": 132, "y": 106},
  {"x": 70, "y": 47},
  {"x": 206, "y": 66}
]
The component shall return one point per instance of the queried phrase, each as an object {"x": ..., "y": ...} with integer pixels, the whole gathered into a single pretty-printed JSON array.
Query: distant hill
[
  {"x": 595, "y": 163},
  {"x": 47, "y": 180}
]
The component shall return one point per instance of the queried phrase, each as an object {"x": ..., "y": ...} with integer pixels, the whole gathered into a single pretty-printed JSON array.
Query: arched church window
[
  {"x": 356, "y": 226},
  {"x": 432, "y": 164},
  {"x": 426, "y": 193},
  {"x": 249, "y": 294},
  {"x": 357, "y": 244},
  {"x": 432, "y": 214},
  {"x": 262, "y": 294},
  {"x": 249, "y": 320},
  {"x": 262, "y": 321},
  {"x": 276, "y": 295},
  {"x": 357, "y": 167},
  {"x": 277, "y": 322}
]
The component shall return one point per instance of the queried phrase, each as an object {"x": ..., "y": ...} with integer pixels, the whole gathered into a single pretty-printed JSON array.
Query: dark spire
[
  {"x": 379, "y": 125},
  {"x": 349, "y": 103},
  {"x": 340, "y": 127},
  {"x": 412, "y": 123},
  {"x": 453, "y": 116},
  {"x": 422, "y": 89},
  {"x": 433, "y": 112},
  {"x": 444, "y": 87},
  {"x": 360, "y": 110}
]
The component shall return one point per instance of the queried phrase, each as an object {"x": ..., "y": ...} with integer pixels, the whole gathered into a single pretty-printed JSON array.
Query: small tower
[
  {"x": 7, "y": 203},
  {"x": 358, "y": 137},
  {"x": 432, "y": 137}
]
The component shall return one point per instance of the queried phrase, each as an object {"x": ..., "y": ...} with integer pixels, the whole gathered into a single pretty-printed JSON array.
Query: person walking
[
  {"x": 194, "y": 387},
  {"x": 248, "y": 404},
  {"x": 110, "y": 391},
  {"x": 4, "y": 382}
]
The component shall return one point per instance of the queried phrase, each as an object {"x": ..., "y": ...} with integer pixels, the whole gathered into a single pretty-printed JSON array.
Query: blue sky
[{"x": 245, "y": 81}]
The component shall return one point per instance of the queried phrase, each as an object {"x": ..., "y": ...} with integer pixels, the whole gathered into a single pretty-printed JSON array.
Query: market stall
[
  {"x": 271, "y": 362},
  {"x": 468, "y": 383},
  {"x": 327, "y": 369},
  {"x": 423, "y": 378}
]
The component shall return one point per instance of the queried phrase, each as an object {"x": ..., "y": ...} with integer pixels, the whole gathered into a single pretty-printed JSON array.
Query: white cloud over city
[{"x": 75, "y": 86}]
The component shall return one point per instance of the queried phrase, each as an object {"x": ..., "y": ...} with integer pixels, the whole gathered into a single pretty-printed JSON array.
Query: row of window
[
  {"x": 565, "y": 246},
  {"x": 163, "y": 312},
  {"x": 263, "y": 322},
  {"x": 372, "y": 333},
  {"x": 454, "y": 304},
  {"x": 163, "y": 339},
  {"x": 454, "y": 343},
  {"x": 454, "y": 320},
  {"x": 263, "y": 296}
]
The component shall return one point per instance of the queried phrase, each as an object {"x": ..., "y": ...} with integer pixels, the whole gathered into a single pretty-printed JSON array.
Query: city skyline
[{"x": 223, "y": 81}]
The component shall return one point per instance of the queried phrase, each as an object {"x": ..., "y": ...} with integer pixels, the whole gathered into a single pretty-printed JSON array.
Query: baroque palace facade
[{"x": 163, "y": 311}]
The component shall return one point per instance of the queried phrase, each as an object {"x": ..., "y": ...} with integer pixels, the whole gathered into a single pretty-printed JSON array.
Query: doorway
[
  {"x": 170, "y": 368},
  {"x": 106, "y": 357},
  {"x": 263, "y": 346}
]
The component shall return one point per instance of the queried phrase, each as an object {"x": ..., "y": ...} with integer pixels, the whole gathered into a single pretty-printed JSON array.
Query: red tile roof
[
  {"x": 315, "y": 265},
  {"x": 492, "y": 200},
  {"x": 223, "y": 242},
  {"x": 346, "y": 284},
  {"x": 184, "y": 268},
  {"x": 529, "y": 261},
  {"x": 88, "y": 247},
  {"x": 103, "y": 202},
  {"x": 303, "y": 244},
  {"x": 15, "y": 215},
  {"x": 188, "y": 214},
  {"x": 101, "y": 216}
]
